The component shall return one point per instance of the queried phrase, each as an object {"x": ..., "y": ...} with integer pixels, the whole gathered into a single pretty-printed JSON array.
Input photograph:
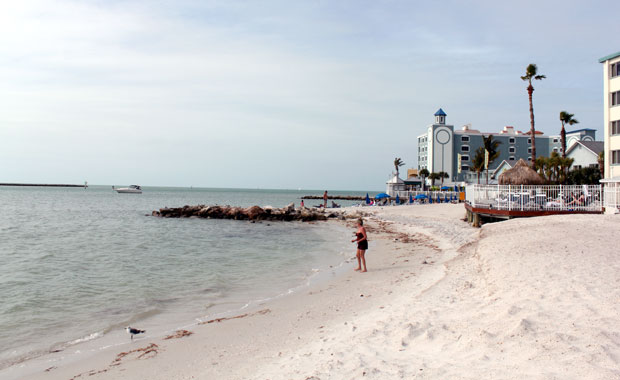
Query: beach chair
[{"x": 587, "y": 196}]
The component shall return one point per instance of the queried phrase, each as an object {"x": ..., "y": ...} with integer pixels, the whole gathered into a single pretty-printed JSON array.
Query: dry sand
[{"x": 531, "y": 298}]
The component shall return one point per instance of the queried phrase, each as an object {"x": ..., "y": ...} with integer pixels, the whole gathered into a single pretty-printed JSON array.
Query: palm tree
[
  {"x": 531, "y": 72},
  {"x": 554, "y": 169},
  {"x": 566, "y": 118},
  {"x": 424, "y": 173},
  {"x": 478, "y": 162},
  {"x": 433, "y": 177},
  {"x": 443, "y": 175},
  {"x": 398, "y": 163},
  {"x": 492, "y": 146}
]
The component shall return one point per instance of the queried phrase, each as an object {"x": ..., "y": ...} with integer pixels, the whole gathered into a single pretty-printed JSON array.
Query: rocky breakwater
[{"x": 254, "y": 213}]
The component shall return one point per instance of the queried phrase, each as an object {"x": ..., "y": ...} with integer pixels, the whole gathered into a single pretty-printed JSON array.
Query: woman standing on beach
[{"x": 362, "y": 245}]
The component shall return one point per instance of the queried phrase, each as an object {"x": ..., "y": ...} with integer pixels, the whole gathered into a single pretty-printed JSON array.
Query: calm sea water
[{"x": 80, "y": 264}]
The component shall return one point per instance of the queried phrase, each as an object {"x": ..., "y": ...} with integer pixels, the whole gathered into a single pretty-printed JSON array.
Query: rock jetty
[{"x": 254, "y": 213}]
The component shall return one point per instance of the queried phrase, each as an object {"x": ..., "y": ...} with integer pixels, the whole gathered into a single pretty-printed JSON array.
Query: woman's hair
[{"x": 360, "y": 221}]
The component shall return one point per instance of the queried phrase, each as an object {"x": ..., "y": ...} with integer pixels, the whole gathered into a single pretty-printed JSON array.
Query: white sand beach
[{"x": 534, "y": 298}]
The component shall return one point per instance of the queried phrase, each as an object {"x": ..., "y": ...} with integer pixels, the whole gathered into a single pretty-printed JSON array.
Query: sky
[{"x": 279, "y": 94}]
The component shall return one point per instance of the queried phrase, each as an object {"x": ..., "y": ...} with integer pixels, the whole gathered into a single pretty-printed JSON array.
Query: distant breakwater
[
  {"x": 339, "y": 197},
  {"x": 254, "y": 213},
  {"x": 42, "y": 184}
]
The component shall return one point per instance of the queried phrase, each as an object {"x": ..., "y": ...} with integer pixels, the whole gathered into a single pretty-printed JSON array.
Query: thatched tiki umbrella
[{"x": 521, "y": 174}]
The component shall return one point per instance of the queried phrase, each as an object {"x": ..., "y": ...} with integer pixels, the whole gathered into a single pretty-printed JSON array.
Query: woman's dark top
[{"x": 363, "y": 244}]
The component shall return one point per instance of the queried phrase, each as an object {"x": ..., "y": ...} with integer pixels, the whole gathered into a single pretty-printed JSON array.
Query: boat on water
[{"x": 133, "y": 189}]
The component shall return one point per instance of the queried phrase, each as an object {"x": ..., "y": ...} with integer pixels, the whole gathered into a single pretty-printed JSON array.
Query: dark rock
[{"x": 254, "y": 213}]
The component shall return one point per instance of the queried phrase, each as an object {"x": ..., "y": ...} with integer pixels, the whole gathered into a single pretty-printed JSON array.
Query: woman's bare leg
[
  {"x": 359, "y": 263},
  {"x": 363, "y": 259}
]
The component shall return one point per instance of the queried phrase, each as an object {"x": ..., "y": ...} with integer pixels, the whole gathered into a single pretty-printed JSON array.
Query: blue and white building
[{"x": 441, "y": 145}]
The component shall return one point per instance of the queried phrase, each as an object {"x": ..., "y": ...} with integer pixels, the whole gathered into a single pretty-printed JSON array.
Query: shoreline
[
  {"x": 166, "y": 322},
  {"x": 441, "y": 300},
  {"x": 281, "y": 304}
]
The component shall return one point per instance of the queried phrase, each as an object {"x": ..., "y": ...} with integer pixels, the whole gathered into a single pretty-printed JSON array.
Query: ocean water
[{"x": 78, "y": 265}]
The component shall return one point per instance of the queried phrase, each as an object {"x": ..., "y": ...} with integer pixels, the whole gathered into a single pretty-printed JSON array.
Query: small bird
[{"x": 133, "y": 331}]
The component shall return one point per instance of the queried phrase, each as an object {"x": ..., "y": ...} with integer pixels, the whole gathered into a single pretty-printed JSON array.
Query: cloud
[{"x": 273, "y": 94}]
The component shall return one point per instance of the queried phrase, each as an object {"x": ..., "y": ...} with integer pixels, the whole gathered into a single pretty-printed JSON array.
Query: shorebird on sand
[{"x": 133, "y": 331}]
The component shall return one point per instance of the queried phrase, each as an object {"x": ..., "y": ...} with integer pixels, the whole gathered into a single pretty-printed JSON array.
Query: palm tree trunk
[
  {"x": 563, "y": 137},
  {"x": 530, "y": 90}
]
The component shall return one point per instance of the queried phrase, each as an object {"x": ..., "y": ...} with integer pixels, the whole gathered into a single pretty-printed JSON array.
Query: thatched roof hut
[{"x": 521, "y": 174}]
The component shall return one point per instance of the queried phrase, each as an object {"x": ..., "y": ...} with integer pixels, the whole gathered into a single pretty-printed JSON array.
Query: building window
[
  {"x": 464, "y": 148},
  {"x": 511, "y": 140},
  {"x": 465, "y": 138},
  {"x": 512, "y": 149},
  {"x": 615, "y": 70},
  {"x": 615, "y": 98},
  {"x": 511, "y": 158},
  {"x": 464, "y": 168},
  {"x": 615, "y": 157},
  {"x": 555, "y": 141},
  {"x": 555, "y": 150},
  {"x": 615, "y": 127},
  {"x": 529, "y": 140},
  {"x": 576, "y": 167},
  {"x": 529, "y": 158},
  {"x": 529, "y": 150},
  {"x": 464, "y": 157}
]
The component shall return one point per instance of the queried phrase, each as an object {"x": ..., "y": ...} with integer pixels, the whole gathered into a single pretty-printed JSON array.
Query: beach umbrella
[
  {"x": 382, "y": 196},
  {"x": 420, "y": 196},
  {"x": 367, "y": 199},
  {"x": 397, "y": 199},
  {"x": 410, "y": 198},
  {"x": 446, "y": 188},
  {"x": 521, "y": 174}
]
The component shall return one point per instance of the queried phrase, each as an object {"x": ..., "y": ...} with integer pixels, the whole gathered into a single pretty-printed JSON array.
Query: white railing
[
  {"x": 611, "y": 196},
  {"x": 536, "y": 198}
]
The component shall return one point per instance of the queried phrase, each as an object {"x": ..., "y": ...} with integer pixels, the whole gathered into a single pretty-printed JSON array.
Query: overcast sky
[{"x": 279, "y": 94}]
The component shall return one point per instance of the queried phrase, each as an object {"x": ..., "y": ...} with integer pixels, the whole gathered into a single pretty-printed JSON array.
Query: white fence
[
  {"x": 612, "y": 196},
  {"x": 536, "y": 198}
]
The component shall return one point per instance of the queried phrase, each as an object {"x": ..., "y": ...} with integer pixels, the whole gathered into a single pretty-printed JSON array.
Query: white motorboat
[{"x": 133, "y": 189}]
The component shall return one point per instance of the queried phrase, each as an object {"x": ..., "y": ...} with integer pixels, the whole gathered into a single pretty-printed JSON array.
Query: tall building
[
  {"x": 440, "y": 147},
  {"x": 611, "y": 101}
]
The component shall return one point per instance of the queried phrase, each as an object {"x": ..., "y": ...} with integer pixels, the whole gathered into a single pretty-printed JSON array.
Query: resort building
[
  {"x": 441, "y": 146},
  {"x": 611, "y": 112},
  {"x": 611, "y": 101}
]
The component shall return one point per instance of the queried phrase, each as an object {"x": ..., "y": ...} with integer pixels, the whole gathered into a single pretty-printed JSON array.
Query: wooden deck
[{"x": 475, "y": 214}]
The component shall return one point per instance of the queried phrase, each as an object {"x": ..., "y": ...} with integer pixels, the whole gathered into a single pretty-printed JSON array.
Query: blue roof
[
  {"x": 440, "y": 113},
  {"x": 610, "y": 56},
  {"x": 580, "y": 130}
]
